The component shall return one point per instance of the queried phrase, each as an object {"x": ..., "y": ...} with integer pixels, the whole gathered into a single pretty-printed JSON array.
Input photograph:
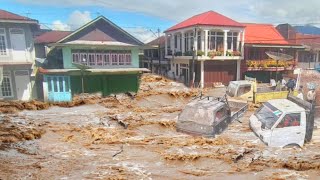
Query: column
[
  {"x": 225, "y": 42},
  {"x": 178, "y": 43},
  {"x": 242, "y": 44},
  {"x": 166, "y": 45},
  {"x": 238, "y": 41},
  {"x": 195, "y": 40},
  {"x": 202, "y": 41},
  {"x": 172, "y": 43},
  {"x": 202, "y": 74},
  {"x": 183, "y": 50},
  {"x": 206, "y": 42},
  {"x": 238, "y": 69}
]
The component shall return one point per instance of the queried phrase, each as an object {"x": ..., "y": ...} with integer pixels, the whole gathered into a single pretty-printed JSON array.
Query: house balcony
[
  {"x": 212, "y": 55},
  {"x": 269, "y": 65},
  {"x": 209, "y": 43}
]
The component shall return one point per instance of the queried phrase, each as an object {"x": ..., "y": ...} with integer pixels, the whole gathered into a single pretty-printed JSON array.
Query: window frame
[
  {"x": 283, "y": 119},
  {"x": 5, "y": 43},
  {"x": 7, "y": 74}
]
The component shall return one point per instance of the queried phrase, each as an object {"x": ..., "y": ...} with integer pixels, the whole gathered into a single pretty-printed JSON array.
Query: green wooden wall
[{"x": 106, "y": 84}]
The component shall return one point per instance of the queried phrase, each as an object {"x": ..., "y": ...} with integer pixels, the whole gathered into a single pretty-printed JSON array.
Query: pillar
[
  {"x": 172, "y": 43},
  {"x": 238, "y": 42},
  {"x": 242, "y": 43},
  {"x": 183, "y": 49},
  {"x": 206, "y": 42},
  {"x": 166, "y": 45},
  {"x": 202, "y": 74},
  {"x": 225, "y": 42},
  {"x": 238, "y": 69},
  {"x": 195, "y": 39},
  {"x": 202, "y": 41}
]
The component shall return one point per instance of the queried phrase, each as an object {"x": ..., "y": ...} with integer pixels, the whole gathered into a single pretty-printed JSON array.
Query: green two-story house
[{"x": 99, "y": 57}]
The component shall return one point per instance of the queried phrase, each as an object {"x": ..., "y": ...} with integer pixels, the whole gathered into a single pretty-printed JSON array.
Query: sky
[{"x": 142, "y": 18}]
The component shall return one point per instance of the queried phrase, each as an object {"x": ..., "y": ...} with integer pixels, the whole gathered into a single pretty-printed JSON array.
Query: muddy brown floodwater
[{"x": 134, "y": 138}]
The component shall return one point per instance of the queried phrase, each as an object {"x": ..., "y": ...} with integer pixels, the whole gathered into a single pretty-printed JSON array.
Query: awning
[
  {"x": 275, "y": 46},
  {"x": 106, "y": 71}
]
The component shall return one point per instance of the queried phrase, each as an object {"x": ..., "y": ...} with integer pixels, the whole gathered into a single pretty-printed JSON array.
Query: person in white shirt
[
  {"x": 283, "y": 84},
  {"x": 273, "y": 84},
  {"x": 300, "y": 95}
]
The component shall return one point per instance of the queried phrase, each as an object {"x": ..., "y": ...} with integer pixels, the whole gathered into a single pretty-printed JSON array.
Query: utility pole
[{"x": 159, "y": 52}]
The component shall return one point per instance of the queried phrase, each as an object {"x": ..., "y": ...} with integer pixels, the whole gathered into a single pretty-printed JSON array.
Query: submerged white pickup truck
[{"x": 284, "y": 122}]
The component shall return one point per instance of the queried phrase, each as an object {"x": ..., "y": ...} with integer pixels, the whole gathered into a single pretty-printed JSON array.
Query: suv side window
[
  {"x": 244, "y": 89},
  {"x": 220, "y": 114},
  {"x": 290, "y": 120}
]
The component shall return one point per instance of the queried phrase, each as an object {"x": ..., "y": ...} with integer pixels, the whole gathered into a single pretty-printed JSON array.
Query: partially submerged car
[
  {"x": 284, "y": 122},
  {"x": 208, "y": 116}
]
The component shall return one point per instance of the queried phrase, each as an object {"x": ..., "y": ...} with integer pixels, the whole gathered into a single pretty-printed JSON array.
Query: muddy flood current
[{"x": 134, "y": 137}]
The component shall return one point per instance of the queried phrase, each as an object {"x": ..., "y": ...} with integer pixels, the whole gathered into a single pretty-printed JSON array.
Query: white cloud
[
  {"x": 143, "y": 34},
  {"x": 266, "y": 11},
  {"x": 58, "y": 25},
  {"x": 75, "y": 20}
]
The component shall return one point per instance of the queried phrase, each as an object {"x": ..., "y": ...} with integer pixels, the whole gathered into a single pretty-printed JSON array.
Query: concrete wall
[{"x": 30, "y": 52}]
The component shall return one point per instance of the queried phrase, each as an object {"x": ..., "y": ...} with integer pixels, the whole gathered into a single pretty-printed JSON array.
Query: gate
[{"x": 58, "y": 88}]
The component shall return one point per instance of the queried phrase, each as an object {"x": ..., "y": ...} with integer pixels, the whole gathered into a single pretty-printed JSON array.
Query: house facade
[
  {"x": 261, "y": 39},
  {"x": 151, "y": 57},
  {"x": 205, "y": 49},
  {"x": 17, "y": 55},
  {"x": 99, "y": 57},
  {"x": 309, "y": 57}
]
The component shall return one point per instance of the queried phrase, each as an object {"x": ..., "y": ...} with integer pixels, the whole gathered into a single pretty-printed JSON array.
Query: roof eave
[{"x": 19, "y": 21}]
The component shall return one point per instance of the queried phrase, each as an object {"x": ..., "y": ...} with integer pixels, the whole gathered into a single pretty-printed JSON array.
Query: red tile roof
[
  {"x": 263, "y": 34},
  {"x": 51, "y": 36},
  {"x": 209, "y": 18},
  {"x": 5, "y": 15}
]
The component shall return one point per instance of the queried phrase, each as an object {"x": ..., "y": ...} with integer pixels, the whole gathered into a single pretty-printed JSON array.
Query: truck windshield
[
  {"x": 231, "y": 90},
  {"x": 268, "y": 115}
]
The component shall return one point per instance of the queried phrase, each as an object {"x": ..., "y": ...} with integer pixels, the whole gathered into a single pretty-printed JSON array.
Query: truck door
[{"x": 290, "y": 130}]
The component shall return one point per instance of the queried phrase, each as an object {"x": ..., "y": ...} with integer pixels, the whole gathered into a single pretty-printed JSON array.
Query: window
[
  {"x": 121, "y": 58},
  {"x": 244, "y": 89},
  {"x": 106, "y": 59},
  {"x": 199, "y": 40},
  {"x": 232, "y": 41},
  {"x": 91, "y": 58},
  {"x": 114, "y": 59},
  {"x": 102, "y": 58},
  {"x": 290, "y": 120},
  {"x": 215, "y": 40},
  {"x": 49, "y": 84},
  {"x": 128, "y": 59},
  {"x": 268, "y": 115},
  {"x": 176, "y": 41},
  {"x": 99, "y": 59},
  {"x": 6, "y": 85},
  {"x": 75, "y": 58},
  {"x": 84, "y": 58},
  {"x": 220, "y": 115},
  {"x": 3, "y": 43},
  {"x": 61, "y": 84}
]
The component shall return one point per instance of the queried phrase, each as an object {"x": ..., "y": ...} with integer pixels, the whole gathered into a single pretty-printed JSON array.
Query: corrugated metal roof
[
  {"x": 209, "y": 18},
  {"x": 51, "y": 36},
  {"x": 9, "y": 16},
  {"x": 263, "y": 34}
]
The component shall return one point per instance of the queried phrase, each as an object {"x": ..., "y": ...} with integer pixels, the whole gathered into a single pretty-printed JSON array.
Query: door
[
  {"x": 18, "y": 44},
  {"x": 58, "y": 88},
  {"x": 290, "y": 130},
  {"x": 22, "y": 79}
]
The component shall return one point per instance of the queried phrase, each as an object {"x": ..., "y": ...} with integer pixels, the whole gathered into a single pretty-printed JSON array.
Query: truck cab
[
  {"x": 283, "y": 122},
  {"x": 208, "y": 116},
  {"x": 243, "y": 90}
]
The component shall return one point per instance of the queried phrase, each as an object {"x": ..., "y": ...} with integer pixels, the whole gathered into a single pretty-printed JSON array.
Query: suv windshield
[
  {"x": 268, "y": 115},
  {"x": 231, "y": 90}
]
